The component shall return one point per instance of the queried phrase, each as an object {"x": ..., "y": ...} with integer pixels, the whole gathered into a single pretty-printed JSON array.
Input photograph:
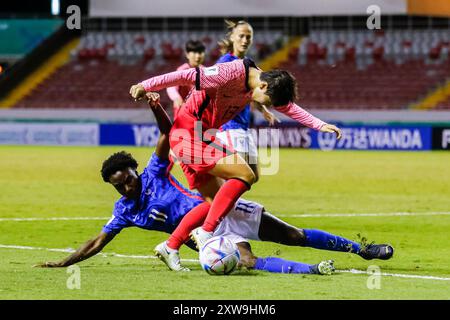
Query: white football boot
[
  {"x": 200, "y": 236},
  {"x": 170, "y": 257}
]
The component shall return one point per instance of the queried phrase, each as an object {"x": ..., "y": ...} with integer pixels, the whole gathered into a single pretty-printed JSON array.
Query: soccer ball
[{"x": 219, "y": 256}]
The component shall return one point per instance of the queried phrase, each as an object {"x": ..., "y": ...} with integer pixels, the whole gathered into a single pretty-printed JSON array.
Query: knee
[
  {"x": 296, "y": 237},
  {"x": 256, "y": 177},
  {"x": 249, "y": 177}
]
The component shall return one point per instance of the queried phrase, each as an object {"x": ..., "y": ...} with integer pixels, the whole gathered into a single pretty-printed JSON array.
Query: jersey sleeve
[
  {"x": 157, "y": 166},
  {"x": 300, "y": 115},
  {"x": 177, "y": 78},
  {"x": 115, "y": 224}
]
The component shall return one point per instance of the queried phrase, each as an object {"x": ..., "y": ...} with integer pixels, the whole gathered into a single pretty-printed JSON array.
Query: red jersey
[{"x": 222, "y": 92}]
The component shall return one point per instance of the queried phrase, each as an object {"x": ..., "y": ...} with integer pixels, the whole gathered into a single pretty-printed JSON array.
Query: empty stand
[
  {"x": 369, "y": 70},
  {"x": 105, "y": 65},
  {"x": 334, "y": 69}
]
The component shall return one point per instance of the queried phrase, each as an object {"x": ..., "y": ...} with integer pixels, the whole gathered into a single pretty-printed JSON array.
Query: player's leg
[
  {"x": 252, "y": 155},
  {"x": 278, "y": 265},
  {"x": 238, "y": 178},
  {"x": 248, "y": 259},
  {"x": 168, "y": 251},
  {"x": 276, "y": 230},
  {"x": 243, "y": 143},
  {"x": 255, "y": 167},
  {"x": 252, "y": 163},
  {"x": 209, "y": 188}
]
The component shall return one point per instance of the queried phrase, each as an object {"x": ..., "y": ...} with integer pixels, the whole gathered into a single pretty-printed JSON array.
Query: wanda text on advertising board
[{"x": 356, "y": 138}]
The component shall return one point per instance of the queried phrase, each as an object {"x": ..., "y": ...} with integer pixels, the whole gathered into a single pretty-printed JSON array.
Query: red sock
[
  {"x": 223, "y": 201},
  {"x": 190, "y": 221}
]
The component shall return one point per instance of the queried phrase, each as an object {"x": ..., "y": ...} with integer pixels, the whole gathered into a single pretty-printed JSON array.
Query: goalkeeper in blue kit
[{"x": 155, "y": 200}]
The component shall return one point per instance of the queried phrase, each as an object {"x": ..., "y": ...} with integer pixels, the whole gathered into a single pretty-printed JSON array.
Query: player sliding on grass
[
  {"x": 222, "y": 91},
  {"x": 154, "y": 200}
]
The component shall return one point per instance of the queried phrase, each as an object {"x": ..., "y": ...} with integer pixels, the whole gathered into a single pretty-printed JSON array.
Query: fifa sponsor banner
[
  {"x": 353, "y": 138},
  {"x": 126, "y": 134},
  {"x": 441, "y": 138},
  {"x": 49, "y": 134}
]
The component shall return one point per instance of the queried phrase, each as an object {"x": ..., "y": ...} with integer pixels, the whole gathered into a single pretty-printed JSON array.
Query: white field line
[
  {"x": 413, "y": 276},
  {"x": 387, "y": 214},
  {"x": 307, "y": 215},
  {"x": 55, "y": 219},
  {"x": 70, "y": 250},
  {"x": 353, "y": 271}
]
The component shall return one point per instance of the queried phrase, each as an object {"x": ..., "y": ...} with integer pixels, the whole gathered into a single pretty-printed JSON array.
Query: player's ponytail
[{"x": 226, "y": 45}]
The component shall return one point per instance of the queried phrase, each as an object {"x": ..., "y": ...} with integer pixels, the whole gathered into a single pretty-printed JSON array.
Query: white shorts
[
  {"x": 242, "y": 222},
  {"x": 241, "y": 140}
]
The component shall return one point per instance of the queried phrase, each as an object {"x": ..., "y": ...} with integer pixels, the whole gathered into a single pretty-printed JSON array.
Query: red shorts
[{"x": 197, "y": 151}]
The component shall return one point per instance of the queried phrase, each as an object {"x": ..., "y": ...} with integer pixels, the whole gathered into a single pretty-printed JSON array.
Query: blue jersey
[
  {"x": 242, "y": 119},
  {"x": 162, "y": 204}
]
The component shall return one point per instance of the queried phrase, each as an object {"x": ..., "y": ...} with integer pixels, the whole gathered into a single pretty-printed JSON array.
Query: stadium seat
[{"x": 109, "y": 62}]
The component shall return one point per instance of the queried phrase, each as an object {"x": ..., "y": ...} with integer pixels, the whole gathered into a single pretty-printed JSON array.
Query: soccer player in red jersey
[
  {"x": 195, "y": 55},
  {"x": 222, "y": 91}
]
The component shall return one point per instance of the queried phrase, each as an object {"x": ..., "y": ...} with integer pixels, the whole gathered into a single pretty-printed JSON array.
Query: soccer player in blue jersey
[
  {"x": 236, "y": 132},
  {"x": 155, "y": 200}
]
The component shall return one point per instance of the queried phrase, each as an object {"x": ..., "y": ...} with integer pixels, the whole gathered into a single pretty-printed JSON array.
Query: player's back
[{"x": 221, "y": 93}]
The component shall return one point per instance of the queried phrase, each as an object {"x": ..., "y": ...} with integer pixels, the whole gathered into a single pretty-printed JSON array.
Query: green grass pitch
[{"x": 43, "y": 182}]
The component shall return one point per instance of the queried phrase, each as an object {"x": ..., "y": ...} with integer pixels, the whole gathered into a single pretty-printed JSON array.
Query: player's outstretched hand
[
  {"x": 332, "y": 129},
  {"x": 137, "y": 92},
  {"x": 152, "y": 99},
  {"x": 48, "y": 264}
]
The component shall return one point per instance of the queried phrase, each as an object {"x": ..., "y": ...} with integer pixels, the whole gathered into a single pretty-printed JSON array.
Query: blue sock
[
  {"x": 278, "y": 265},
  {"x": 323, "y": 240}
]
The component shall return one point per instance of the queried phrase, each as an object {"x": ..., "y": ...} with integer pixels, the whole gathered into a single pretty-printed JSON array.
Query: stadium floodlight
[{"x": 55, "y": 7}]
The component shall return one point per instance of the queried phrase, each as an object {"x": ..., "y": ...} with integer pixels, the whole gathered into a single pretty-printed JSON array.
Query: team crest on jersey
[{"x": 211, "y": 71}]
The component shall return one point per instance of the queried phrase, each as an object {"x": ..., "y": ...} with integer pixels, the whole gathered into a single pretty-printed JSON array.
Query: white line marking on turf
[
  {"x": 70, "y": 250},
  {"x": 54, "y": 219},
  {"x": 387, "y": 214},
  {"x": 395, "y": 275},
  {"x": 354, "y": 271},
  {"x": 306, "y": 215}
]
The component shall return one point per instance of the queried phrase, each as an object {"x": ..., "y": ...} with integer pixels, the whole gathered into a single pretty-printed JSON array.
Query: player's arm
[
  {"x": 300, "y": 115},
  {"x": 185, "y": 77},
  {"x": 164, "y": 125},
  {"x": 203, "y": 78},
  {"x": 269, "y": 116},
  {"x": 87, "y": 250},
  {"x": 175, "y": 96}
]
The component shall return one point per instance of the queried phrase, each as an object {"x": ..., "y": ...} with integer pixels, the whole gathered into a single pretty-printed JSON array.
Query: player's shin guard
[
  {"x": 223, "y": 202},
  {"x": 326, "y": 241},
  {"x": 190, "y": 221},
  {"x": 278, "y": 265}
]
